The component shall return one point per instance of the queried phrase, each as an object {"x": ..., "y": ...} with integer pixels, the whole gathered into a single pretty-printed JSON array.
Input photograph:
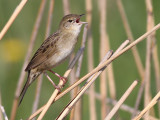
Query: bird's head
[{"x": 71, "y": 23}]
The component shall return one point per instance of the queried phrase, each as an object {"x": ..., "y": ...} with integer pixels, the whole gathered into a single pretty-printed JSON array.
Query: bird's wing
[{"x": 46, "y": 50}]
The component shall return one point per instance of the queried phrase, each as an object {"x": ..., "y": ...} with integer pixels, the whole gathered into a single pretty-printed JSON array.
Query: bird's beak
[
  {"x": 81, "y": 21},
  {"x": 81, "y": 15}
]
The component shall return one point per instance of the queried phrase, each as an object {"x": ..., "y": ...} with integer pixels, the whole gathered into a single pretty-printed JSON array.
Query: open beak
[{"x": 81, "y": 21}]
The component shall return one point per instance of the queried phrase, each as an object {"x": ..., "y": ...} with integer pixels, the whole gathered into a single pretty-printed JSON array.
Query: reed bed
[{"x": 105, "y": 101}]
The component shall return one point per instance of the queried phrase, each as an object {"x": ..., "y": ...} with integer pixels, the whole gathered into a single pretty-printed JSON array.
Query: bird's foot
[{"x": 64, "y": 79}]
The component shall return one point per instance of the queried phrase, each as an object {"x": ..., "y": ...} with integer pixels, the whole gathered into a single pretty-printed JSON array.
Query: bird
[{"x": 54, "y": 50}]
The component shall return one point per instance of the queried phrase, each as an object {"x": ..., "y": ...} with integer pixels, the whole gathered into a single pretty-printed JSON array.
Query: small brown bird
[{"x": 54, "y": 50}]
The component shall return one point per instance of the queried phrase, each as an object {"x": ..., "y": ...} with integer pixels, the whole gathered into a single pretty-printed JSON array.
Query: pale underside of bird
[{"x": 54, "y": 50}]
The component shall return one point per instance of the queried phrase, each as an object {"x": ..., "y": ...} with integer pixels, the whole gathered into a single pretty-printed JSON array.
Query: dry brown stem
[
  {"x": 66, "y": 7},
  {"x": 149, "y": 106},
  {"x": 49, "y": 20},
  {"x": 12, "y": 18},
  {"x": 138, "y": 99},
  {"x": 122, "y": 99},
  {"x": 150, "y": 24},
  {"x": 123, "y": 107},
  {"x": 157, "y": 71},
  {"x": 104, "y": 46},
  {"x": 90, "y": 52}
]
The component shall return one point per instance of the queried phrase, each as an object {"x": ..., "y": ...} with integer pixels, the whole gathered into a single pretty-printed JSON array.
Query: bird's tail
[{"x": 25, "y": 88}]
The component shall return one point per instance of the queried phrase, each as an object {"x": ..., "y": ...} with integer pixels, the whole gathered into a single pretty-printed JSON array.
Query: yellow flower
[{"x": 12, "y": 50}]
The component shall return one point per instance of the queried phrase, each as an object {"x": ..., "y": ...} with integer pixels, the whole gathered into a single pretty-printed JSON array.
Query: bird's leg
[
  {"x": 57, "y": 87},
  {"x": 62, "y": 78}
]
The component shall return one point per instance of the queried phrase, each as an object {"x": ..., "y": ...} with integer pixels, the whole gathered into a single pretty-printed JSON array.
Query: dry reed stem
[
  {"x": 89, "y": 82},
  {"x": 111, "y": 79},
  {"x": 138, "y": 99},
  {"x": 66, "y": 7},
  {"x": 130, "y": 36},
  {"x": 154, "y": 46},
  {"x": 72, "y": 75},
  {"x": 101, "y": 66},
  {"x": 122, "y": 99},
  {"x": 29, "y": 52},
  {"x": 78, "y": 110},
  {"x": 49, "y": 21},
  {"x": 83, "y": 89},
  {"x": 149, "y": 106},
  {"x": 157, "y": 70},
  {"x": 150, "y": 24},
  {"x": 39, "y": 82},
  {"x": 55, "y": 93},
  {"x": 123, "y": 107},
  {"x": 104, "y": 46},
  {"x": 90, "y": 59},
  {"x": 12, "y": 18}
]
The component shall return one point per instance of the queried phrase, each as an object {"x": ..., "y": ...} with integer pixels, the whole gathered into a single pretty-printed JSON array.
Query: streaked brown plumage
[{"x": 54, "y": 50}]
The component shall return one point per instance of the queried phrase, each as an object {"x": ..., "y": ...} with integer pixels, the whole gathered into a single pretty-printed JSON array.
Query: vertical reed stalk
[
  {"x": 104, "y": 44},
  {"x": 90, "y": 58},
  {"x": 150, "y": 24},
  {"x": 66, "y": 7}
]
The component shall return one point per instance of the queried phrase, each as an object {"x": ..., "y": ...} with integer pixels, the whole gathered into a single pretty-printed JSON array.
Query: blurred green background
[{"x": 14, "y": 45}]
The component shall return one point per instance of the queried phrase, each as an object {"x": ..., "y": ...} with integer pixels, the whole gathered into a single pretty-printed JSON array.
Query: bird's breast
[{"x": 63, "y": 51}]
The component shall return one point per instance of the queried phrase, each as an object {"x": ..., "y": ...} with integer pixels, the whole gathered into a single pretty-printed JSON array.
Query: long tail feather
[{"x": 25, "y": 88}]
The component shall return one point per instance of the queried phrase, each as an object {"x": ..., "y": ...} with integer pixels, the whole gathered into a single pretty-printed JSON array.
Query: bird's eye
[{"x": 70, "y": 21}]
